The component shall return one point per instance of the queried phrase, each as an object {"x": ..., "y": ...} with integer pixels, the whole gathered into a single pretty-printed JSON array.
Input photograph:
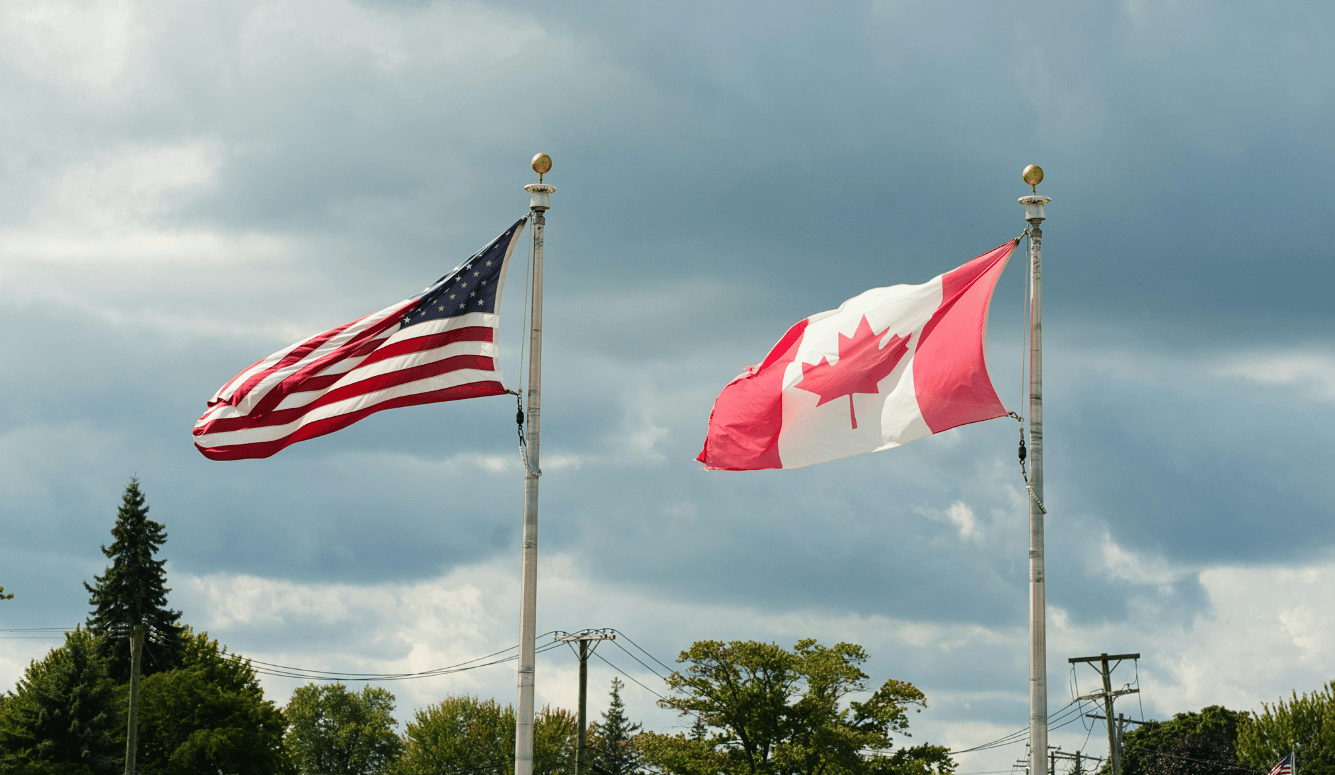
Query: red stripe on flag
[
  {"x": 372, "y": 351},
  {"x": 950, "y": 365},
  {"x": 331, "y": 424},
  {"x": 430, "y": 342},
  {"x": 361, "y": 387},
  {"x": 296, "y": 355},
  {"x": 292, "y": 383}
]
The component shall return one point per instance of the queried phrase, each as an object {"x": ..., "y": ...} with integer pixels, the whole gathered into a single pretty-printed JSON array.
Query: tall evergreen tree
[
  {"x": 134, "y": 591},
  {"x": 614, "y": 738}
]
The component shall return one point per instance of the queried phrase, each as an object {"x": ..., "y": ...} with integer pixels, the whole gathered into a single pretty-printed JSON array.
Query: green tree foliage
[
  {"x": 1306, "y": 721},
  {"x": 466, "y": 733},
  {"x": 770, "y": 711},
  {"x": 613, "y": 740},
  {"x": 6, "y": 595},
  {"x": 208, "y": 715},
  {"x": 333, "y": 731},
  {"x": 134, "y": 591},
  {"x": 1190, "y": 744},
  {"x": 63, "y": 717}
]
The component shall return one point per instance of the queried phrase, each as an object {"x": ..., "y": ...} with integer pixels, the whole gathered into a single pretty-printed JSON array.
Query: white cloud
[
  {"x": 959, "y": 516},
  {"x": 129, "y": 185},
  {"x": 86, "y": 45},
  {"x": 1122, "y": 564},
  {"x": 1311, "y": 371}
]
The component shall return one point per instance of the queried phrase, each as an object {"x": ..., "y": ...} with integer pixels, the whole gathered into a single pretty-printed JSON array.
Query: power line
[
  {"x": 631, "y": 677},
  {"x": 36, "y": 629},
  {"x": 1066, "y": 715},
  {"x": 315, "y": 675},
  {"x": 637, "y": 659},
  {"x": 651, "y": 656}
]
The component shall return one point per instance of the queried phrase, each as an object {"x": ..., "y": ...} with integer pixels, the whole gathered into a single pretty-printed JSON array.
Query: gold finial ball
[
  {"x": 1032, "y": 175},
  {"x": 542, "y": 164}
]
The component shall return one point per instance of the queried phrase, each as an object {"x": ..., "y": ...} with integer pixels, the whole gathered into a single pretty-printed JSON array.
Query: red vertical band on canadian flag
[
  {"x": 889, "y": 366},
  {"x": 744, "y": 429},
  {"x": 950, "y": 370}
]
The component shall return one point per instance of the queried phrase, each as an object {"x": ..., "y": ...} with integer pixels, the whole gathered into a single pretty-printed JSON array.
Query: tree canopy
[
  {"x": 1305, "y": 722},
  {"x": 467, "y": 733},
  {"x": 772, "y": 711},
  {"x": 333, "y": 731},
  {"x": 1189, "y": 744},
  {"x": 63, "y": 715},
  {"x": 133, "y": 591},
  {"x": 208, "y": 715}
]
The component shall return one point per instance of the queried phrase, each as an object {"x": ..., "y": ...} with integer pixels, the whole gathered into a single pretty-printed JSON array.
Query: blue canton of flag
[
  {"x": 1285, "y": 766},
  {"x": 471, "y": 287}
]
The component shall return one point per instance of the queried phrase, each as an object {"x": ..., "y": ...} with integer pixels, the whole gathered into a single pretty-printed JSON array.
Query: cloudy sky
[{"x": 187, "y": 187}]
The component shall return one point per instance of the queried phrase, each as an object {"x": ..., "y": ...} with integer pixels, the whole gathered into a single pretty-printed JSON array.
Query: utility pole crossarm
[
  {"x": 1124, "y": 721},
  {"x": 1102, "y": 657},
  {"x": 1101, "y": 695},
  {"x": 584, "y": 636}
]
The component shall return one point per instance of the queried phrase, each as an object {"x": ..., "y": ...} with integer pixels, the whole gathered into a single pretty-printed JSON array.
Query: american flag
[
  {"x": 439, "y": 345},
  {"x": 1285, "y": 766}
]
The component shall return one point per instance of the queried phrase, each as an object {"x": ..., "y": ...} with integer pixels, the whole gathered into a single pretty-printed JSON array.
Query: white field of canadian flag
[{"x": 888, "y": 366}]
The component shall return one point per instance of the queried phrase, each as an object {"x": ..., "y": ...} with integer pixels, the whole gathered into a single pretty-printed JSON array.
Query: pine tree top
[
  {"x": 133, "y": 590},
  {"x": 614, "y": 749}
]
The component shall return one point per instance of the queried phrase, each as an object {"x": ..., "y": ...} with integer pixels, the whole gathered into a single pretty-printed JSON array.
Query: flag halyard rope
[
  {"x": 1023, "y": 452},
  {"x": 519, "y": 394}
]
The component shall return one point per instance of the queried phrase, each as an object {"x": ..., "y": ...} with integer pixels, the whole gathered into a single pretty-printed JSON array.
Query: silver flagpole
[
  {"x": 1038, "y": 637},
  {"x": 528, "y": 607}
]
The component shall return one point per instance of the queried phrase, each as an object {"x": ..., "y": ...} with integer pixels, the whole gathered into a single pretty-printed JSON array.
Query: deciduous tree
[
  {"x": 333, "y": 731},
  {"x": 467, "y": 733},
  {"x": 1189, "y": 744},
  {"x": 208, "y": 715},
  {"x": 772, "y": 711},
  {"x": 1306, "y": 722}
]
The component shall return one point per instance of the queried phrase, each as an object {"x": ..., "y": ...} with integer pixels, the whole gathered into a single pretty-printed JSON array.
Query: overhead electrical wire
[
  {"x": 640, "y": 661},
  {"x": 628, "y": 675},
  {"x": 286, "y": 671},
  {"x": 646, "y": 653},
  {"x": 1066, "y": 715}
]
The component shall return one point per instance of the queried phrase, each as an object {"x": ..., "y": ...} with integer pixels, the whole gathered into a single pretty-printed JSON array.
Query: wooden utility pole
[
  {"x": 132, "y": 726},
  {"x": 583, "y": 639},
  {"x": 1107, "y": 695}
]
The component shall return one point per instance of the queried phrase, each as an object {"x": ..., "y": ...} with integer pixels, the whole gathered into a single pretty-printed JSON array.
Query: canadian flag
[{"x": 889, "y": 366}]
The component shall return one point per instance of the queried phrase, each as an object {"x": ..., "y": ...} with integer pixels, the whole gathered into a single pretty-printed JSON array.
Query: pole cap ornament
[
  {"x": 1032, "y": 175},
  {"x": 542, "y": 164}
]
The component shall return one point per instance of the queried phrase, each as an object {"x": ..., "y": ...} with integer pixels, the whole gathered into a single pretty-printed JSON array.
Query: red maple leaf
[{"x": 862, "y": 364}]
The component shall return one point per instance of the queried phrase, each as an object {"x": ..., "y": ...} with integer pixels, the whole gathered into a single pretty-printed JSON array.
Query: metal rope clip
[{"x": 519, "y": 423}]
